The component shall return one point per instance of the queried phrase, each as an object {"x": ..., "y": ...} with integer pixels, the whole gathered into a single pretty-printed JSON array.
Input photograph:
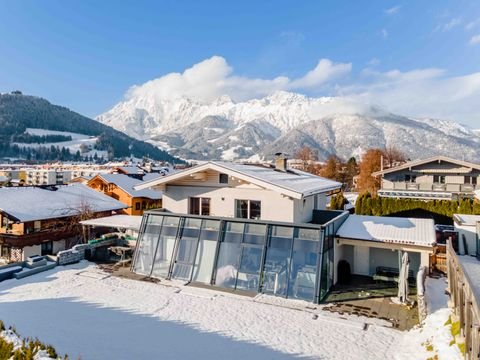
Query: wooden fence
[{"x": 466, "y": 304}]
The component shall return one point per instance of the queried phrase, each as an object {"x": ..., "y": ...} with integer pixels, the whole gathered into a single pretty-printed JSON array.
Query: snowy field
[
  {"x": 73, "y": 145},
  {"x": 84, "y": 312}
]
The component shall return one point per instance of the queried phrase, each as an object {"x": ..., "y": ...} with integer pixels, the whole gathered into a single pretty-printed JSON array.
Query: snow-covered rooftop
[
  {"x": 297, "y": 182},
  {"x": 128, "y": 183},
  {"x": 116, "y": 221},
  {"x": 410, "y": 231},
  {"x": 130, "y": 169},
  {"x": 34, "y": 203},
  {"x": 466, "y": 220}
]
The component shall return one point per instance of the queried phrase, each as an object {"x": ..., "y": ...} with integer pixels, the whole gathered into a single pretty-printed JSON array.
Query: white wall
[
  {"x": 470, "y": 233},
  {"x": 58, "y": 246},
  {"x": 275, "y": 207},
  {"x": 30, "y": 251}
]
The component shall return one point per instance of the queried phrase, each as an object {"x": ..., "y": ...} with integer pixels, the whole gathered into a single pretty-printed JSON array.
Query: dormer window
[{"x": 223, "y": 178}]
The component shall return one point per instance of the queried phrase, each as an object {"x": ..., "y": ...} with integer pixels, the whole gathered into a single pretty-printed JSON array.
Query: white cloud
[
  {"x": 474, "y": 40},
  {"x": 428, "y": 92},
  {"x": 323, "y": 72},
  {"x": 472, "y": 24},
  {"x": 393, "y": 10},
  {"x": 213, "y": 77},
  {"x": 422, "y": 92},
  {"x": 453, "y": 23}
]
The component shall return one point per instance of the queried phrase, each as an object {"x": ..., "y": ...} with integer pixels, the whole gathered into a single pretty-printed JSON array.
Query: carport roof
[{"x": 409, "y": 231}]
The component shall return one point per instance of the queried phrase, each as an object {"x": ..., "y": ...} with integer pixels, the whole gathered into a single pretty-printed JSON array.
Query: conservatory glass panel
[
  {"x": 166, "y": 245},
  {"x": 147, "y": 244},
  {"x": 229, "y": 255},
  {"x": 249, "y": 273},
  {"x": 277, "y": 261},
  {"x": 303, "y": 272},
  {"x": 207, "y": 247},
  {"x": 187, "y": 246},
  {"x": 255, "y": 233}
]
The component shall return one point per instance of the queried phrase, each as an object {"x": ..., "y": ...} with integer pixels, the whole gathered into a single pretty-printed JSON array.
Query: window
[
  {"x": 137, "y": 206},
  {"x": 410, "y": 178},
  {"x": 470, "y": 180},
  {"x": 248, "y": 209},
  {"x": 223, "y": 178},
  {"x": 144, "y": 205},
  {"x": 47, "y": 248},
  {"x": 439, "y": 179},
  {"x": 199, "y": 206}
]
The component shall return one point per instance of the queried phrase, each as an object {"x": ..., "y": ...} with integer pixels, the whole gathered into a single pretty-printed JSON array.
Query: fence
[{"x": 464, "y": 296}]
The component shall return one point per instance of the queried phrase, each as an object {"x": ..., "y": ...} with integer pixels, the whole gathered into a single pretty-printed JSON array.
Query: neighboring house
[
  {"x": 438, "y": 178},
  {"x": 370, "y": 243},
  {"x": 244, "y": 191},
  {"x": 466, "y": 226},
  {"x": 121, "y": 188},
  {"x": 47, "y": 176},
  {"x": 132, "y": 171},
  {"x": 41, "y": 221}
]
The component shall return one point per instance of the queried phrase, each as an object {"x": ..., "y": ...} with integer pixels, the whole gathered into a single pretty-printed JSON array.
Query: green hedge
[{"x": 440, "y": 210}]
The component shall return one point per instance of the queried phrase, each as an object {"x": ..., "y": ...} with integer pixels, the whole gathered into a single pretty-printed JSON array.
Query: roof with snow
[
  {"x": 127, "y": 184},
  {"x": 130, "y": 170},
  {"x": 35, "y": 203},
  {"x": 466, "y": 220},
  {"x": 131, "y": 222},
  {"x": 294, "y": 183},
  {"x": 467, "y": 165},
  {"x": 409, "y": 231}
]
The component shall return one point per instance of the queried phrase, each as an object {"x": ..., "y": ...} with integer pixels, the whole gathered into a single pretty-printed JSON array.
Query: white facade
[
  {"x": 274, "y": 206},
  {"x": 223, "y": 188}
]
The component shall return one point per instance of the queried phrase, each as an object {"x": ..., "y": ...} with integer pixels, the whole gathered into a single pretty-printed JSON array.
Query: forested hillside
[{"x": 19, "y": 112}]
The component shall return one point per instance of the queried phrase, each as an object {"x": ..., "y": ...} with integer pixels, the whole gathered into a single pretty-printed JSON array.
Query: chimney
[{"x": 280, "y": 162}]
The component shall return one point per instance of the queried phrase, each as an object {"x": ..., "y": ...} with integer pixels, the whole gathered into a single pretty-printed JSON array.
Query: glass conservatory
[{"x": 287, "y": 260}]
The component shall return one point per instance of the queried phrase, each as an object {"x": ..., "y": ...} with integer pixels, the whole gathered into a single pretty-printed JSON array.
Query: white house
[
  {"x": 466, "y": 226},
  {"x": 244, "y": 191}
]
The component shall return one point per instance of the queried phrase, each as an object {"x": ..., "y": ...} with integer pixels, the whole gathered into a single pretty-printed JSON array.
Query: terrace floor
[{"x": 364, "y": 297}]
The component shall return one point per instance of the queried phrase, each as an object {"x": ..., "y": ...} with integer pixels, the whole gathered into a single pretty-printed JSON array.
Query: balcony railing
[{"x": 402, "y": 185}]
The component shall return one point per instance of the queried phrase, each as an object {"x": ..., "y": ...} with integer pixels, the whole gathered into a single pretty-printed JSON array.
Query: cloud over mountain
[{"x": 424, "y": 92}]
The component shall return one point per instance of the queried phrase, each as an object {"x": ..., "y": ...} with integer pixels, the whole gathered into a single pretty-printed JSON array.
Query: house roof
[
  {"x": 116, "y": 221},
  {"x": 34, "y": 203},
  {"x": 130, "y": 169},
  {"x": 293, "y": 183},
  {"x": 127, "y": 184},
  {"x": 411, "y": 164},
  {"x": 466, "y": 220},
  {"x": 409, "y": 231}
]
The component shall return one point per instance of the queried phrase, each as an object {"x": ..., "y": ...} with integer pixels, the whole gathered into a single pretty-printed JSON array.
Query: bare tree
[
  {"x": 392, "y": 156},
  {"x": 308, "y": 158}
]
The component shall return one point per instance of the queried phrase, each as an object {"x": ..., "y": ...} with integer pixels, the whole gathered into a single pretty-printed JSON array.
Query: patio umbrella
[{"x": 403, "y": 279}]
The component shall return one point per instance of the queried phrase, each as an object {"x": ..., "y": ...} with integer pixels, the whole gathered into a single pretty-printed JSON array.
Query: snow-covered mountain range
[{"x": 284, "y": 121}]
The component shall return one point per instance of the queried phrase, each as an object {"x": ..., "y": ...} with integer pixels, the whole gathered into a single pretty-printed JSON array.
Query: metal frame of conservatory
[{"x": 239, "y": 254}]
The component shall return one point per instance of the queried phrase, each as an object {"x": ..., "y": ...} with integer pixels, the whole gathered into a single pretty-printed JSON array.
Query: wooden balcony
[{"x": 35, "y": 238}]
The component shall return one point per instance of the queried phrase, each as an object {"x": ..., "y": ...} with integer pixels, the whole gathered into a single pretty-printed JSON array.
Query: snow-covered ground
[
  {"x": 84, "y": 312},
  {"x": 73, "y": 145}
]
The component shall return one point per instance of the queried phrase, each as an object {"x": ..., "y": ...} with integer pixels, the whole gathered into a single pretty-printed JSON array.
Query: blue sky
[{"x": 412, "y": 57}]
